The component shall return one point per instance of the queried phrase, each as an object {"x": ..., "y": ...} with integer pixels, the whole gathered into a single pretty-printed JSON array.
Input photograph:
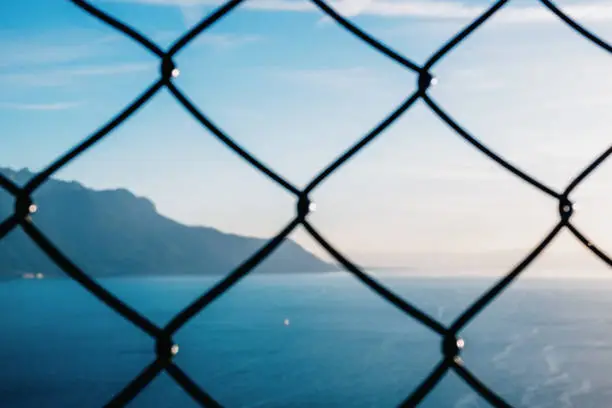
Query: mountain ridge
[{"x": 115, "y": 232}]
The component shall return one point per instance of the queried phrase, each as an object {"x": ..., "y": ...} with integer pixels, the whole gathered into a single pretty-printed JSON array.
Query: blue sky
[{"x": 296, "y": 90}]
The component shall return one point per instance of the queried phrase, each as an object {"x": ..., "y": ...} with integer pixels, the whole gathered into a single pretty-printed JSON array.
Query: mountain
[{"x": 114, "y": 232}]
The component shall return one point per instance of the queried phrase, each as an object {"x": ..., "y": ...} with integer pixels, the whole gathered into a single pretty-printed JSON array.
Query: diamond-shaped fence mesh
[{"x": 166, "y": 349}]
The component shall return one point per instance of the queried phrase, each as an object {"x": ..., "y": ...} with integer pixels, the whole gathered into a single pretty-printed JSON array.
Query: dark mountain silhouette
[{"x": 113, "y": 232}]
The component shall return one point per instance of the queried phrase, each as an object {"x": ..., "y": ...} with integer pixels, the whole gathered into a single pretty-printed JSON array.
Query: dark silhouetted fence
[{"x": 166, "y": 349}]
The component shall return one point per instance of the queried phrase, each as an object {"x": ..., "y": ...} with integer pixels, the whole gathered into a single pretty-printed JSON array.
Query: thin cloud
[
  {"x": 116, "y": 69},
  {"x": 583, "y": 12},
  {"x": 38, "y": 51},
  {"x": 218, "y": 40},
  {"x": 442, "y": 10},
  {"x": 330, "y": 77},
  {"x": 271, "y": 5},
  {"x": 56, "y": 106},
  {"x": 35, "y": 54},
  {"x": 61, "y": 77},
  {"x": 226, "y": 40}
]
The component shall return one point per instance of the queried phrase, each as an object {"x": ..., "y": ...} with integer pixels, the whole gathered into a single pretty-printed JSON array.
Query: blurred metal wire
[{"x": 451, "y": 343}]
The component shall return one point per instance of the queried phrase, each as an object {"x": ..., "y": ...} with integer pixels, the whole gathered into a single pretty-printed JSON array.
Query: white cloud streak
[
  {"x": 60, "y": 77},
  {"x": 441, "y": 10},
  {"x": 227, "y": 40},
  {"x": 331, "y": 77},
  {"x": 103, "y": 70},
  {"x": 55, "y": 106},
  {"x": 38, "y": 52}
]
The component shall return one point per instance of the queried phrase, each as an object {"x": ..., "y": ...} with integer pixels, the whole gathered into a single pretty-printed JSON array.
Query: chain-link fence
[{"x": 166, "y": 349}]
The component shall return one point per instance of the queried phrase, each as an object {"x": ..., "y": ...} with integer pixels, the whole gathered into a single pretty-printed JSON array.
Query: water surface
[{"x": 544, "y": 343}]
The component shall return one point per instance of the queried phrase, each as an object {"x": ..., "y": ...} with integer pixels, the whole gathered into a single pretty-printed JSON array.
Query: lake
[{"x": 307, "y": 341}]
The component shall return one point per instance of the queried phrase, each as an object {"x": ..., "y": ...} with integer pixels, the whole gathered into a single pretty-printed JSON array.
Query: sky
[{"x": 296, "y": 90}]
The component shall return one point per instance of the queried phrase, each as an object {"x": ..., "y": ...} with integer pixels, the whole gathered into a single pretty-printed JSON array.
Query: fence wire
[{"x": 166, "y": 349}]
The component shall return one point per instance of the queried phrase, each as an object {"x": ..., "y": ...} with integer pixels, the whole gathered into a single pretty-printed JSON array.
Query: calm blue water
[{"x": 544, "y": 343}]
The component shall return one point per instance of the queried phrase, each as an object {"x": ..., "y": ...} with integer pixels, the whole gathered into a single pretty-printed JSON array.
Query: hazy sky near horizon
[{"x": 296, "y": 90}]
